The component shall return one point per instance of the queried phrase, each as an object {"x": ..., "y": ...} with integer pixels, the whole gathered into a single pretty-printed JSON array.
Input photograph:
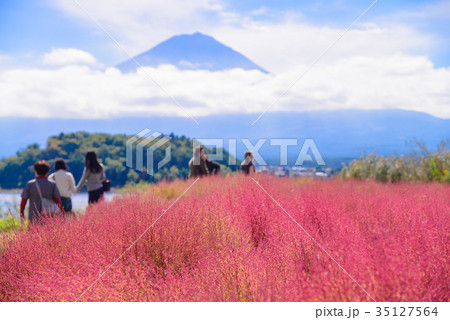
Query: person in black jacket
[
  {"x": 213, "y": 167},
  {"x": 247, "y": 166}
]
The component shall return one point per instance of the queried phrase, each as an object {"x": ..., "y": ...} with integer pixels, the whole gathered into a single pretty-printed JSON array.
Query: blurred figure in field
[
  {"x": 213, "y": 167},
  {"x": 247, "y": 166},
  {"x": 66, "y": 185},
  {"x": 93, "y": 177},
  {"x": 197, "y": 165},
  {"x": 43, "y": 194}
]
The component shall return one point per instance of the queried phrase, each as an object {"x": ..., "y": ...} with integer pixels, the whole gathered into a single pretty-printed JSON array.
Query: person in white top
[{"x": 65, "y": 183}]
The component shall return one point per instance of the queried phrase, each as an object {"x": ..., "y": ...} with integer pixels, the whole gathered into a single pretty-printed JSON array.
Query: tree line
[
  {"x": 16, "y": 170},
  {"x": 421, "y": 166}
]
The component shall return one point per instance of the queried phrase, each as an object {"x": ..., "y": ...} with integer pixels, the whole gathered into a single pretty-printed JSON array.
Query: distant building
[
  {"x": 321, "y": 174},
  {"x": 295, "y": 171}
]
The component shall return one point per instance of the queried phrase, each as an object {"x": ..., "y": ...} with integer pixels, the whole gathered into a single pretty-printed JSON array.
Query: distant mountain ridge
[
  {"x": 191, "y": 52},
  {"x": 339, "y": 133}
]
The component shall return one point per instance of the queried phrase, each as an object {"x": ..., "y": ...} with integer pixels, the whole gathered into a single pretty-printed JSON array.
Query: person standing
[
  {"x": 213, "y": 167},
  {"x": 93, "y": 177},
  {"x": 41, "y": 192},
  {"x": 247, "y": 166},
  {"x": 66, "y": 184},
  {"x": 197, "y": 164}
]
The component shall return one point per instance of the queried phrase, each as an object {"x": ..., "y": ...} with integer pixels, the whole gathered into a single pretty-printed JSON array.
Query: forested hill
[{"x": 15, "y": 171}]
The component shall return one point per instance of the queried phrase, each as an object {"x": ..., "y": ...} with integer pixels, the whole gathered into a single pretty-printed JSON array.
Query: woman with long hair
[
  {"x": 247, "y": 166},
  {"x": 93, "y": 177},
  {"x": 197, "y": 164}
]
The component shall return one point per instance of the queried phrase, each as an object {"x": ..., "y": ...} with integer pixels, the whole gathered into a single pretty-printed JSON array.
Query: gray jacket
[
  {"x": 49, "y": 191},
  {"x": 93, "y": 181}
]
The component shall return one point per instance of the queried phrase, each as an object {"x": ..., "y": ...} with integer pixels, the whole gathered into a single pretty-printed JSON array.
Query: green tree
[{"x": 15, "y": 171}]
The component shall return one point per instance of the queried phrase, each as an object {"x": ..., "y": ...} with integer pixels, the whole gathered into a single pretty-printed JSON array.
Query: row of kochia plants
[{"x": 226, "y": 239}]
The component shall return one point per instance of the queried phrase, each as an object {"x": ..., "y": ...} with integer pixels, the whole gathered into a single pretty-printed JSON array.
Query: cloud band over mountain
[{"x": 74, "y": 91}]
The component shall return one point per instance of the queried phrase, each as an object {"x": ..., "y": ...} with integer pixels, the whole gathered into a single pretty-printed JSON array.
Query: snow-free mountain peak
[{"x": 195, "y": 51}]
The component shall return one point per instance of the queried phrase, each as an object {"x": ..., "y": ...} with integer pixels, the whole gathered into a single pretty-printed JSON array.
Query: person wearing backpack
[
  {"x": 43, "y": 195},
  {"x": 93, "y": 177}
]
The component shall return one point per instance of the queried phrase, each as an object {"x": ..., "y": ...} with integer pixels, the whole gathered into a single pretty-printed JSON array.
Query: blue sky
[
  {"x": 31, "y": 28},
  {"x": 396, "y": 57}
]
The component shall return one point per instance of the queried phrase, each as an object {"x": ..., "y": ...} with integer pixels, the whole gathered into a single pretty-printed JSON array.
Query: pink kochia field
[{"x": 226, "y": 239}]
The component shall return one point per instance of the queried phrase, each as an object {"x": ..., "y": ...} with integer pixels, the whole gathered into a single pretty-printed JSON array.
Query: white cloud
[
  {"x": 140, "y": 24},
  {"x": 281, "y": 43},
  {"x": 371, "y": 67},
  {"x": 260, "y": 11},
  {"x": 138, "y": 9},
  {"x": 283, "y": 46},
  {"x": 4, "y": 60},
  {"x": 398, "y": 81},
  {"x": 69, "y": 56},
  {"x": 432, "y": 10}
]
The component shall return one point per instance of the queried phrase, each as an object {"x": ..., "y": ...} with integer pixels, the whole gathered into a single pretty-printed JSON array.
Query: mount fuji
[{"x": 191, "y": 52}]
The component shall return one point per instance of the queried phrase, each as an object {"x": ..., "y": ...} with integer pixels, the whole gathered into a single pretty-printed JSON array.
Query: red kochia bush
[{"x": 227, "y": 240}]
